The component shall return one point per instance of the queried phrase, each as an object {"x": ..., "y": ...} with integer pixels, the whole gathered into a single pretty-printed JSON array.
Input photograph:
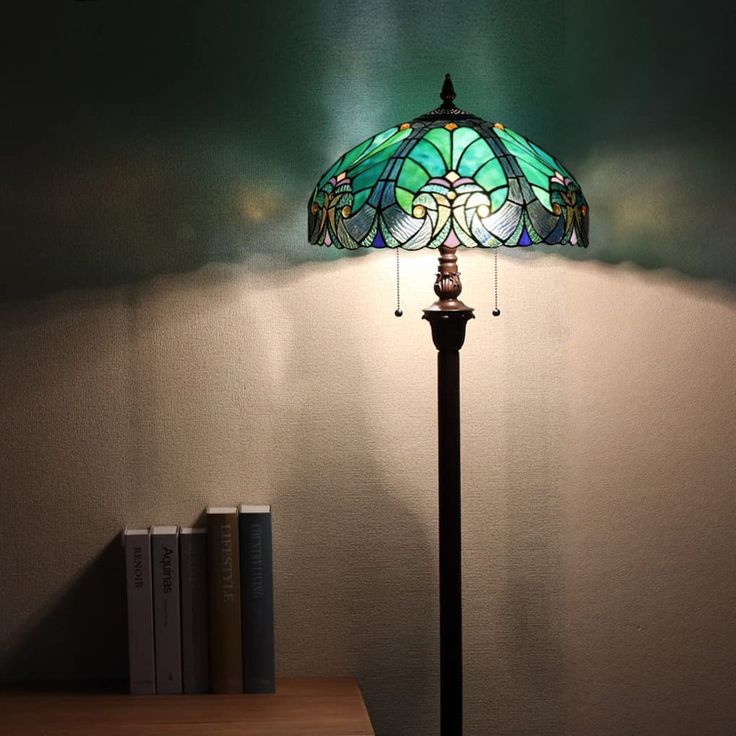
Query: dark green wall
[{"x": 142, "y": 138}]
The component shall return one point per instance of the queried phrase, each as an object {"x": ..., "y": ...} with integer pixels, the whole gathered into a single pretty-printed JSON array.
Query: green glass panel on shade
[
  {"x": 430, "y": 157},
  {"x": 405, "y": 199},
  {"x": 447, "y": 177},
  {"x": 442, "y": 139},
  {"x": 413, "y": 176},
  {"x": 473, "y": 157},
  {"x": 491, "y": 175},
  {"x": 461, "y": 139}
]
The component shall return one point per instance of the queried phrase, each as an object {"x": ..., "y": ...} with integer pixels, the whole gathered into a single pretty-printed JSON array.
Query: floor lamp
[{"x": 445, "y": 179}]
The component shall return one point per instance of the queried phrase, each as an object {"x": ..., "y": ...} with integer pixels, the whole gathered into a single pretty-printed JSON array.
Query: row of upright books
[{"x": 200, "y": 604}]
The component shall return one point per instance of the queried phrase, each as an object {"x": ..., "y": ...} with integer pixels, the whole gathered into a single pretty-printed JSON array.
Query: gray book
[
  {"x": 194, "y": 632},
  {"x": 256, "y": 596},
  {"x": 166, "y": 613},
  {"x": 141, "y": 662}
]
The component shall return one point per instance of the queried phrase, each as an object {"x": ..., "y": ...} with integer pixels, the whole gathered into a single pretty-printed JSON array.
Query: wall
[
  {"x": 598, "y": 502},
  {"x": 169, "y": 340}
]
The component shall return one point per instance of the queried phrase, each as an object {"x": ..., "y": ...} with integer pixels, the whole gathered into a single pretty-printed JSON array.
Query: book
[
  {"x": 141, "y": 660},
  {"x": 256, "y": 595},
  {"x": 223, "y": 582},
  {"x": 194, "y": 630},
  {"x": 166, "y": 611}
]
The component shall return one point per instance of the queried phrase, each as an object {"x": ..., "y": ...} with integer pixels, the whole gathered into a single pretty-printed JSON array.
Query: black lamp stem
[
  {"x": 451, "y": 640},
  {"x": 448, "y": 318}
]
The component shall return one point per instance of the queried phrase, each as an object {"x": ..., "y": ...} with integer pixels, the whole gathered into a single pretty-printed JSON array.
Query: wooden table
[{"x": 300, "y": 707}]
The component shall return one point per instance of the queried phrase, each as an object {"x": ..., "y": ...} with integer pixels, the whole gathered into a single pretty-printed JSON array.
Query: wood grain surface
[{"x": 300, "y": 707}]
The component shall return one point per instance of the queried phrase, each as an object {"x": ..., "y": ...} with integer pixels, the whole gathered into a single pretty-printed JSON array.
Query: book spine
[
  {"x": 223, "y": 560},
  {"x": 140, "y": 614},
  {"x": 194, "y": 630},
  {"x": 256, "y": 565},
  {"x": 166, "y": 612}
]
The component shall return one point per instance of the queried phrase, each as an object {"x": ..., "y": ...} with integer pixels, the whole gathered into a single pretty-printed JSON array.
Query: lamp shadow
[
  {"x": 531, "y": 607},
  {"x": 357, "y": 587},
  {"x": 514, "y": 663},
  {"x": 513, "y": 522}
]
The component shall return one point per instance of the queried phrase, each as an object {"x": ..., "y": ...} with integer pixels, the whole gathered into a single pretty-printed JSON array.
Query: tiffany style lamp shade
[{"x": 446, "y": 179}]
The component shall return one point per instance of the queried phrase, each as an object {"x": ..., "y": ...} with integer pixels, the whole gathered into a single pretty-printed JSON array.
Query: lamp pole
[
  {"x": 507, "y": 192},
  {"x": 448, "y": 317}
]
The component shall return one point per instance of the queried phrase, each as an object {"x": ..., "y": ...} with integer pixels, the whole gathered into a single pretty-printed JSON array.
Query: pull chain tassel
[
  {"x": 398, "y": 311},
  {"x": 496, "y": 311}
]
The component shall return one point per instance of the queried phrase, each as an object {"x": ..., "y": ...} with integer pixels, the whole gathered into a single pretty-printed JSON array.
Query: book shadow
[{"x": 81, "y": 636}]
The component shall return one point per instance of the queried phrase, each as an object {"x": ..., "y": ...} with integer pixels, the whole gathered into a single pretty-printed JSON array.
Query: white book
[{"x": 166, "y": 608}]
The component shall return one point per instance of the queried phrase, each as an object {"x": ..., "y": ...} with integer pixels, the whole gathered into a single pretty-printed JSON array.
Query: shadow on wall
[
  {"x": 531, "y": 502},
  {"x": 204, "y": 145},
  {"x": 513, "y": 501},
  {"x": 530, "y": 649},
  {"x": 358, "y": 584},
  {"x": 82, "y": 636},
  {"x": 132, "y": 210},
  {"x": 100, "y": 224}
]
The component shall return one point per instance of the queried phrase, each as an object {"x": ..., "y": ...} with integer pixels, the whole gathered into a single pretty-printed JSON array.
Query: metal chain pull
[
  {"x": 398, "y": 311},
  {"x": 496, "y": 311}
]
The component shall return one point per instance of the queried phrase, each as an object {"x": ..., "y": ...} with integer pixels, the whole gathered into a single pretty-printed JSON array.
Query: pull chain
[
  {"x": 496, "y": 311},
  {"x": 398, "y": 311}
]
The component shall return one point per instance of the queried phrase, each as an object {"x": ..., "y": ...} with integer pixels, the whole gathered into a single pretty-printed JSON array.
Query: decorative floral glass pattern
[{"x": 447, "y": 177}]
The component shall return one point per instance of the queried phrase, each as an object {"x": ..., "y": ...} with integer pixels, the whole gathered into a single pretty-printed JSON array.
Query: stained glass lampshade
[{"x": 447, "y": 178}]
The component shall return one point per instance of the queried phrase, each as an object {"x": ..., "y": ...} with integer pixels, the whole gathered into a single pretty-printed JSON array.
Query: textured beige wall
[{"x": 599, "y": 442}]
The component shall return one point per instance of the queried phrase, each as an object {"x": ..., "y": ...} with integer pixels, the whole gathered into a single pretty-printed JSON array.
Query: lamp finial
[{"x": 448, "y": 92}]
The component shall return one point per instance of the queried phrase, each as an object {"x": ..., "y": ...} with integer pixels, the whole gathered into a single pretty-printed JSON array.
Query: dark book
[
  {"x": 223, "y": 582},
  {"x": 166, "y": 610},
  {"x": 194, "y": 630},
  {"x": 141, "y": 661},
  {"x": 256, "y": 595}
]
